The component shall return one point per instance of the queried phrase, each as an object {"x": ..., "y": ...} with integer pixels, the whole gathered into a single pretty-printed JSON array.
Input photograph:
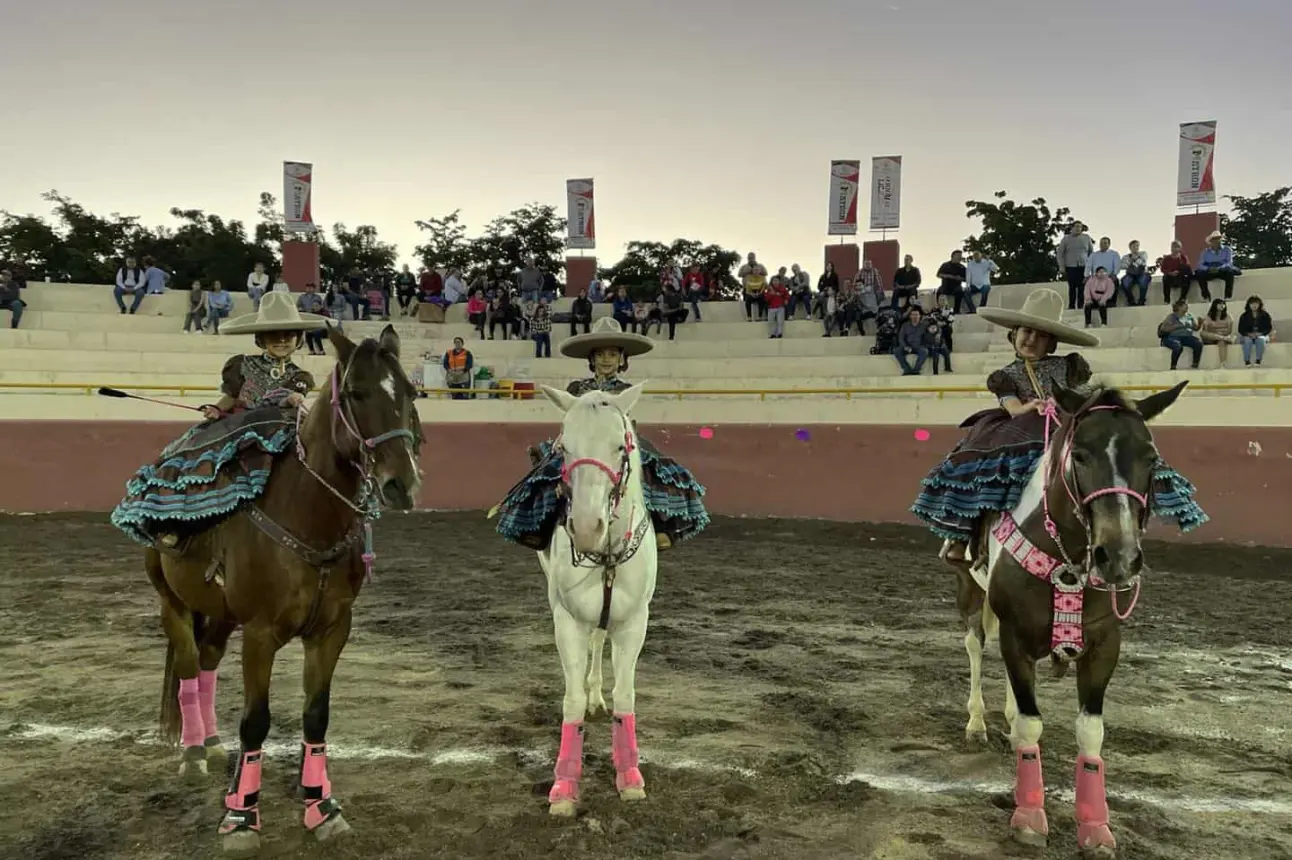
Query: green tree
[
  {"x": 533, "y": 230},
  {"x": 1019, "y": 238},
  {"x": 640, "y": 266},
  {"x": 1260, "y": 228},
  {"x": 362, "y": 248},
  {"x": 446, "y": 245}
]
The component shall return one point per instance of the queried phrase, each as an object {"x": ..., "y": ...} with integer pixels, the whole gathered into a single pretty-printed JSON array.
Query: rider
[
  {"x": 987, "y": 470},
  {"x": 224, "y": 461},
  {"x": 530, "y": 511}
]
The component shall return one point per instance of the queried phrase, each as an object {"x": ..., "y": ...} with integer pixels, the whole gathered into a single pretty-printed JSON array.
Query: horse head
[
  {"x": 1105, "y": 462},
  {"x": 602, "y": 465},
  {"x": 374, "y": 415}
]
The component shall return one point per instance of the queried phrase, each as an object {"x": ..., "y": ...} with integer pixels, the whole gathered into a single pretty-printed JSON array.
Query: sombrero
[
  {"x": 1041, "y": 311},
  {"x": 277, "y": 313},
  {"x": 1216, "y": 234},
  {"x": 606, "y": 332}
]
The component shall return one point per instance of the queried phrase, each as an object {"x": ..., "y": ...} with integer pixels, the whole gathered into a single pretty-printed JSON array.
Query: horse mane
[{"x": 1104, "y": 395}]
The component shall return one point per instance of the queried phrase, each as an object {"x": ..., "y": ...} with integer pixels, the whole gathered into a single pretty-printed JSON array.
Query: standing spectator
[
  {"x": 526, "y": 315},
  {"x": 530, "y": 281},
  {"x": 155, "y": 277},
  {"x": 550, "y": 288},
  {"x": 1135, "y": 268},
  {"x": 753, "y": 281},
  {"x": 1177, "y": 332},
  {"x": 776, "y": 297},
  {"x": 218, "y": 306},
  {"x": 458, "y": 363},
  {"x": 477, "y": 309},
  {"x": 1072, "y": 253},
  {"x": 581, "y": 313},
  {"x": 310, "y": 302},
  {"x": 405, "y": 289},
  {"x": 1255, "y": 329},
  {"x": 869, "y": 296},
  {"x": 10, "y": 298},
  {"x": 978, "y": 272},
  {"x": 945, "y": 318},
  {"x": 1176, "y": 272},
  {"x": 1100, "y": 289},
  {"x": 867, "y": 276},
  {"x": 1107, "y": 259},
  {"x": 910, "y": 341},
  {"x": 1218, "y": 328},
  {"x": 257, "y": 285},
  {"x": 622, "y": 311},
  {"x": 1216, "y": 263},
  {"x": 906, "y": 285},
  {"x": 953, "y": 274},
  {"x": 800, "y": 292},
  {"x": 828, "y": 302},
  {"x": 674, "y": 312},
  {"x": 935, "y": 341},
  {"x": 596, "y": 290},
  {"x": 540, "y": 329},
  {"x": 826, "y": 285},
  {"x": 131, "y": 281},
  {"x": 696, "y": 289},
  {"x": 353, "y": 291},
  {"x": 196, "y": 309}
]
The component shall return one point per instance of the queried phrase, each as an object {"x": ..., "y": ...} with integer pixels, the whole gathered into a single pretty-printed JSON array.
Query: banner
[
  {"x": 845, "y": 176},
  {"x": 298, "y": 177},
  {"x": 1196, "y": 185},
  {"x": 581, "y": 222},
  {"x": 886, "y": 192}
]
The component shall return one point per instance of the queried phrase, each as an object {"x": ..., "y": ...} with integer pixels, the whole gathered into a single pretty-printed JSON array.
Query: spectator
[
  {"x": 827, "y": 284},
  {"x": 910, "y": 341},
  {"x": 218, "y": 306},
  {"x": 455, "y": 289},
  {"x": 1218, "y": 328},
  {"x": 847, "y": 307},
  {"x": 458, "y": 363},
  {"x": 829, "y": 304},
  {"x": 674, "y": 312},
  {"x": 622, "y": 311},
  {"x": 936, "y": 343},
  {"x": 1100, "y": 289},
  {"x": 405, "y": 289},
  {"x": 946, "y": 318},
  {"x": 776, "y": 297},
  {"x": 1177, "y": 332},
  {"x": 281, "y": 286},
  {"x": 310, "y": 302},
  {"x": 869, "y": 296},
  {"x": 530, "y": 281},
  {"x": 1176, "y": 272},
  {"x": 155, "y": 277},
  {"x": 696, "y": 290},
  {"x": 1135, "y": 274},
  {"x": 953, "y": 274},
  {"x": 1109, "y": 260},
  {"x": 581, "y": 313},
  {"x": 1072, "y": 253},
  {"x": 131, "y": 281},
  {"x": 886, "y": 332},
  {"x": 540, "y": 329},
  {"x": 644, "y": 314},
  {"x": 1255, "y": 329},
  {"x": 527, "y": 308},
  {"x": 906, "y": 285},
  {"x": 978, "y": 272},
  {"x": 503, "y": 311},
  {"x": 868, "y": 274},
  {"x": 753, "y": 281},
  {"x": 800, "y": 293},
  {"x": 10, "y": 299},
  {"x": 196, "y": 312},
  {"x": 257, "y": 285},
  {"x": 550, "y": 288},
  {"x": 477, "y": 309},
  {"x": 429, "y": 285},
  {"x": 596, "y": 292},
  {"x": 353, "y": 291},
  {"x": 1217, "y": 263}
]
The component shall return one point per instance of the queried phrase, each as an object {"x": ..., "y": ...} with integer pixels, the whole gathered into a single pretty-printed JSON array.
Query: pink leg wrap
[
  {"x": 569, "y": 764},
  {"x": 190, "y": 713},
  {"x": 1029, "y": 791},
  {"x": 1092, "y": 805},
  {"x": 244, "y": 795},
  {"x": 318, "y": 788},
  {"x": 623, "y": 752},
  {"x": 206, "y": 695}
]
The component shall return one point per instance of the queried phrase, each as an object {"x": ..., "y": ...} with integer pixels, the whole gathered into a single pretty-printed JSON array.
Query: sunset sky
[{"x": 706, "y": 119}]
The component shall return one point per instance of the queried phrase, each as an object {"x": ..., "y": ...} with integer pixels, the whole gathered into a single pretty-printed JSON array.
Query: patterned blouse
[
  {"x": 1070, "y": 371},
  {"x": 610, "y": 385},
  {"x": 250, "y": 381}
]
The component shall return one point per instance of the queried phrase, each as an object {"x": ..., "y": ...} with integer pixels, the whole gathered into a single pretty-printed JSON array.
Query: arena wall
[{"x": 847, "y": 472}]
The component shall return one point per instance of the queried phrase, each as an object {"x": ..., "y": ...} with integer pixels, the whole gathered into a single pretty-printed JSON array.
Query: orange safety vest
[{"x": 457, "y": 360}]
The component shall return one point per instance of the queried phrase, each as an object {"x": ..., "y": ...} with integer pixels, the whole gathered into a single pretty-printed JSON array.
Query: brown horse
[
  {"x": 290, "y": 564},
  {"x": 1054, "y": 573}
]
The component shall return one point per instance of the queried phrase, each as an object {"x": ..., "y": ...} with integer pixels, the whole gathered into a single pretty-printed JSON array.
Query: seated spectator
[
  {"x": 527, "y": 308},
  {"x": 131, "y": 281},
  {"x": 1177, "y": 332},
  {"x": 405, "y": 289},
  {"x": 775, "y": 298},
  {"x": 219, "y": 304},
  {"x": 504, "y": 312},
  {"x": 1216, "y": 263},
  {"x": 868, "y": 275},
  {"x": 429, "y": 285},
  {"x": 1176, "y": 271},
  {"x": 197, "y": 309},
  {"x": 476, "y": 310},
  {"x": 540, "y": 329},
  {"x": 945, "y": 317},
  {"x": 828, "y": 283},
  {"x": 596, "y": 291},
  {"x": 911, "y": 341},
  {"x": 458, "y": 363},
  {"x": 581, "y": 313},
  {"x": 978, "y": 272},
  {"x": 847, "y": 307},
  {"x": 906, "y": 285},
  {"x": 352, "y": 291},
  {"x": 280, "y": 286},
  {"x": 953, "y": 274},
  {"x": 1255, "y": 329},
  {"x": 870, "y": 294},
  {"x": 310, "y": 302},
  {"x": 455, "y": 289},
  {"x": 886, "y": 332},
  {"x": 1135, "y": 274},
  {"x": 936, "y": 343},
  {"x": 670, "y": 303},
  {"x": 753, "y": 280},
  {"x": 1100, "y": 290},
  {"x": 1107, "y": 259},
  {"x": 10, "y": 297},
  {"x": 257, "y": 285},
  {"x": 647, "y": 313},
  {"x": 829, "y": 304},
  {"x": 1218, "y": 328},
  {"x": 696, "y": 290},
  {"x": 623, "y": 310},
  {"x": 155, "y": 277},
  {"x": 800, "y": 293}
]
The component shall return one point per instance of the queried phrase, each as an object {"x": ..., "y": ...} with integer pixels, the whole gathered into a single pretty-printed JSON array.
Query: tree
[
  {"x": 639, "y": 269},
  {"x": 1020, "y": 239},
  {"x": 533, "y": 230},
  {"x": 447, "y": 245},
  {"x": 1260, "y": 228},
  {"x": 361, "y": 248}
]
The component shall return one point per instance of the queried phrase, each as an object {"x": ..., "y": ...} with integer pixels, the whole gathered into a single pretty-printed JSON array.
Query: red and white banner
[
  {"x": 1196, "y": 185},
  {"x": 886, "y": 192},
  {"x": 298, "y": 181},
  {"x": 581, "y": 222},
  {"x": 845, "y": 176}
]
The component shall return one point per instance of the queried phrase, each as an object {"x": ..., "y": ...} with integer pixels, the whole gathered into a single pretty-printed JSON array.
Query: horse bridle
[{"x": 619, "y": 485}]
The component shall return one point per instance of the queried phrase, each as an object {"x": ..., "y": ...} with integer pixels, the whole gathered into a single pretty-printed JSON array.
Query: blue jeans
[
  {"x": 118, "y": 293},
  {"x": 796, "y": 299},
  {"x": 1129, "y": 281},
  {"x": 921, "y": 355},
  {"x": 1253, "y": 347},
  {"x": 695, "y": 306},
  {"x": 542, "y": 344},
  {"x": 1177, "y": 342},
  {"x": 213, "y": 317},
  {"x": 982, "y": 293},
  {"x": 15, "y": 307}
]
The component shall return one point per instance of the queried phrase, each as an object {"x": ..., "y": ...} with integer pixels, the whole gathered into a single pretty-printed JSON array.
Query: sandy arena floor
[{"x": 763, "y": 686}]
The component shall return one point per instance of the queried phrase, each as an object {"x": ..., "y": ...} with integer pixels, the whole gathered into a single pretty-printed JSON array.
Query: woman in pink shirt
[
  {"x": 1100, "y": 287},
  {"x": 476, "y": 311}
]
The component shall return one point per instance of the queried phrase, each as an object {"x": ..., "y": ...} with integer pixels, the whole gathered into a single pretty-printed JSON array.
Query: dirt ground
[{"x": 782, "y": 656}]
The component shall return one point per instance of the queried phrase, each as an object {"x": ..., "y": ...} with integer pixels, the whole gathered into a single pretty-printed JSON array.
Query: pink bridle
[{"x": 618, "y": 478}]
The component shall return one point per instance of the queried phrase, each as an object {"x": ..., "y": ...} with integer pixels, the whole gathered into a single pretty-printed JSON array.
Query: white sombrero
[
  {"x": 1216, "y": 234},
  {"x": 277, "y": 313},
  {"x": 1041, "y": 311},
  {"x": 606, "y": 332}
]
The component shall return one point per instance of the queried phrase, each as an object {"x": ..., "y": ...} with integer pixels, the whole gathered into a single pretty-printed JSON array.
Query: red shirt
[
  {"x": 1172, "y": 265},
  {"x": 777, "y": 295},
  {"x": 431, "y": 283}
]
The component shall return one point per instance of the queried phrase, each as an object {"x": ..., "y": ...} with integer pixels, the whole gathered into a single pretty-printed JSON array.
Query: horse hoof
[
  {"x": 1028, "y": 836},
  {"x": 1097, "y": 842},
  {"x": 976, "y": 737},
  {"x": 332, "y": 828},
  {"x": 193, "y": 767},
  {"x": 632, "y": 794},
  {"x": 1099, "y": 852},
  {"x": 241, "y": 843},
  {"x": 217, "y": 758},
  {"x": 562, "y": 808}
]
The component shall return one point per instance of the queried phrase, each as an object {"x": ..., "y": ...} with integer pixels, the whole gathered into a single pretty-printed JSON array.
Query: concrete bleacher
[{"x": 73, "y": 335}]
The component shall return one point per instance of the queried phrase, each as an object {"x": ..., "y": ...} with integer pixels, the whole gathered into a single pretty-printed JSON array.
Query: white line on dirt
[{"x": 898, "y": 784}]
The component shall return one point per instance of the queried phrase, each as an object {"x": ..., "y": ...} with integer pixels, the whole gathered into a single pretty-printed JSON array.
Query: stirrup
[{"x": 663, "y": 541}]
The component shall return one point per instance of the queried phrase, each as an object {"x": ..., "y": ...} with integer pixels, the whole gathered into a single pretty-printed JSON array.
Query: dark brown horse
[
  {"x": 1059, "y": 574},
  {"x": 287, "y": 565}
]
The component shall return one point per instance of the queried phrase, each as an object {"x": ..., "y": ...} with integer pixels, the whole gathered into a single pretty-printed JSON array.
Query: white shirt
[
  {"x": 260, "y": 281},
  {"x": 453, "y": 288},
  {"x": 979, "y": 272}
]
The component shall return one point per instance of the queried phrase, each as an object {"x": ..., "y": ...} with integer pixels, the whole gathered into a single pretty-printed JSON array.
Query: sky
[{"x": 707, "y": 119}]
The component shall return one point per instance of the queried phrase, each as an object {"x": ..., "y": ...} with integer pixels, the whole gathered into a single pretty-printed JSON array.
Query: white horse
[{"x": 600, "y": 566}]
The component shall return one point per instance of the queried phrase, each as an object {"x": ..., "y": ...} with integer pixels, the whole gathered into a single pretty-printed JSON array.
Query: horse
[
  {"x": 1048, "y": 580},
  {"x": 600, "y": 568},
  {"x": 289, "y": 564}
]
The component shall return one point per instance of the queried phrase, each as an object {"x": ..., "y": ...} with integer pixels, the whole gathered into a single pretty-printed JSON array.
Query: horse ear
[
  {"x": 344, "y": 346},
  {"x": 1069, "y": 401},
  {"x": 563, "y": 399},
  {"x": 628, "y": 398},
  {"x": 389, "y": 340},
  {"x": 1155, "y": 404}
]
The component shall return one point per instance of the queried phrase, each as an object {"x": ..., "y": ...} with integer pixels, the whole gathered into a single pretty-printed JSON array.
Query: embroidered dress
[
  {"x": 988, "y": 470},
  {"x": 216, "y": 466},
  {"x": 529, "y": 513}
]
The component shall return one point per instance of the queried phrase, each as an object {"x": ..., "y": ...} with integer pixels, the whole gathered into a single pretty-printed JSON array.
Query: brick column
[
  {"x": 300, "y": 264},
  {"x": 886, "y": 256},
  {"x": 846, "y": 259},
  {"x": 579, "y": 272},
  {"x": 1192, "y": 231}
]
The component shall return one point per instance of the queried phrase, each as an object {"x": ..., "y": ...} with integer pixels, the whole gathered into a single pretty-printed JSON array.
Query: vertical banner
[
  {"x": 886, "y": 192},
  {"x": 298, "y": 179},
  {"x": 845, "y": 177},
  {"x": 581, "y": 222},
  {"x": 1196, "y": 185}
]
